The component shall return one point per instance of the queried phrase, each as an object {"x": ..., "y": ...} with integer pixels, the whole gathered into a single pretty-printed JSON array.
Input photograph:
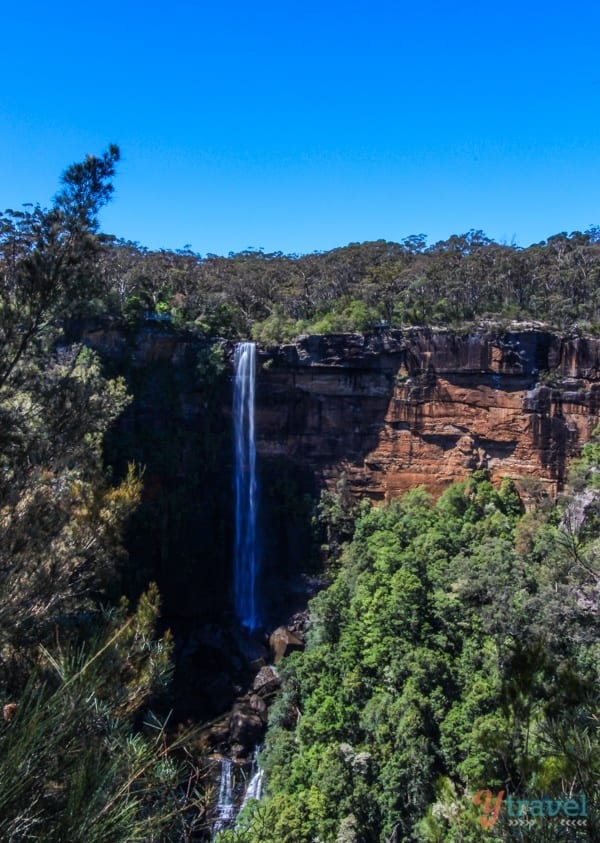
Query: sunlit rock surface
[{"x": 402, "y": 408}]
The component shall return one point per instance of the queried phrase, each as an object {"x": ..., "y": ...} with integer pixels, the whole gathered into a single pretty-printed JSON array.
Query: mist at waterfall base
[{"x": 246, "y": 545}]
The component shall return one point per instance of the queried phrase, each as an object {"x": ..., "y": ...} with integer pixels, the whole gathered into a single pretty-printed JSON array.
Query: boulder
[
  {"x": 266, "y": 681},
  {"x": 245, "y": 727},
  {"x": 282, "y": 642},
  {"x": 258, "y": 705}
]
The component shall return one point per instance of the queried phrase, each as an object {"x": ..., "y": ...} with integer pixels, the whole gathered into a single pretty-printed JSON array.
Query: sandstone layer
[{"x": 401, "y": 408}]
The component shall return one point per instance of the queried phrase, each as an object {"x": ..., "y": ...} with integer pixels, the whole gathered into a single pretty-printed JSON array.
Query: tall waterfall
[{"x": 246, "y": 554}]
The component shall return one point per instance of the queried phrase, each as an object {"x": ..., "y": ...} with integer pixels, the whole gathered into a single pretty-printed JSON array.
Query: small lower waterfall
[
  {"x": 225, "y": 806},
  {"x": 246, "y": 555},
  {"x": 254, "y": 789},
  {"x": 230, "y": 801}
]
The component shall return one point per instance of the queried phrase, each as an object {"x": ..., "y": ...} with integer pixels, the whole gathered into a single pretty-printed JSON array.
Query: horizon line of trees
[{"x": 274, "y": 297}]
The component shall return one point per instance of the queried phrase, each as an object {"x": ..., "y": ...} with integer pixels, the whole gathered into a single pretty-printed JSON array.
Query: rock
[
  {"x": 266, "y": 681},
  {"x": 219, "y": 733},
  {"x": 348, "y": 831},
  {"x": 9, "y": 711},
  {"x": 245, "y": 726},
  {"x": 397, "y": 409},
  {"x": 282, "y": 642},
  {"x": 258, "y": 705}
]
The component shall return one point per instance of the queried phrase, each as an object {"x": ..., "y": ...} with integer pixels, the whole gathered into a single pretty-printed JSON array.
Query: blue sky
[{"x": 301, "y": 126}]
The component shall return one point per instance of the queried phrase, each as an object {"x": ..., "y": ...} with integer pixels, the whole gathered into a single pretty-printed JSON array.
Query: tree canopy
[
  {"x": 359, "y": 287},
  {"x": 455, "y": 651}
]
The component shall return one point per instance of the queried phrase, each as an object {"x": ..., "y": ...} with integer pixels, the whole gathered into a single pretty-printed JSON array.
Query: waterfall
[
  {"x": 230, "y": 802},
  {"x": 254, "y": 789},
  {"x": 225, "y": 805},
  {"x": 246, "y": 560}
]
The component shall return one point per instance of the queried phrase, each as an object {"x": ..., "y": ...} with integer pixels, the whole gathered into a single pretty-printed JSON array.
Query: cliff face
[
  {"x": 391, "y": 410},
  {"x": 176, "y": 430},
  {"x": 399, "y": 409}
]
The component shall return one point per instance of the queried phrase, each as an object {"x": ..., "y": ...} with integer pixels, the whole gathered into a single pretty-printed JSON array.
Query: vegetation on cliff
[{"x": 456, "y": 650}]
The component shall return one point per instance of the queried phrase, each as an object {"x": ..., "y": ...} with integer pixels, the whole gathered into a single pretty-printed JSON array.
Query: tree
[
  {"x": 76, "y": 672},
  {"x": 72, "y": 765},
  {"x": 48, "y": 258},
  {"x": 60, "y": 519}
]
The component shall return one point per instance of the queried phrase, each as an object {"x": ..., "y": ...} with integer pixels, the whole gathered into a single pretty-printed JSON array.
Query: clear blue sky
[{"x": 301, "y": 126}]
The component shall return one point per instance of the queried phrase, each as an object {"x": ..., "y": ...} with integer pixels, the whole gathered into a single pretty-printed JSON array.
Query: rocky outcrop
[
  {"x": 283, "y": 642},
  {"x": 266, "y": 682},
  {"x": 401, "y": 408},
  {"x": 246, "y": 725}
]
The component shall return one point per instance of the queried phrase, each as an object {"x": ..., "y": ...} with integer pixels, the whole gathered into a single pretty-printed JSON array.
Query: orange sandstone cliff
[{"x": 401, "y": 408}]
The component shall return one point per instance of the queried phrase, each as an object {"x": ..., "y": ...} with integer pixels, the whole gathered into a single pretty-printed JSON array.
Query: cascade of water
[
  {"x": 246, "y": 558},
  {"x": 225, "y": 804},
  {"x": 228, "y": 805},
  {"x": 254, "y": 789}
]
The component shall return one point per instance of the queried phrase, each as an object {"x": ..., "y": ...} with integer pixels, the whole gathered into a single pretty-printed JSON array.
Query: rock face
[
  {"x": 176, "y": 429},
  {"x": 391, "y": 410},
  {"x": 401, "y": 408}
]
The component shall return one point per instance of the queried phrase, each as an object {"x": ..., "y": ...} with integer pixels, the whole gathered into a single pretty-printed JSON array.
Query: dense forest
[
  {"x": 363, "y": 286},
  {"x": 456, "y": 651},
  {"x": 456, "y": 648}
]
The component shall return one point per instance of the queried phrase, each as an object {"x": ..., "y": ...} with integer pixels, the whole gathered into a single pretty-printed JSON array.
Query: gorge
[
  {"x": 190, "y": 451},
  {"x": 388, "y": 411}
]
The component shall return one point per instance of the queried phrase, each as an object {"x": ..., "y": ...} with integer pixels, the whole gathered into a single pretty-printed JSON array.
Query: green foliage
[
  {"x": 71, "y": 765},
  {"x": 134, "y": 310},
  {"x": 211, "y": 365},
  {"x": 361, "y": 287},
  {"x": 276, "y": 328},
  {"x": 49, "y": 259},
  {"x": 61, "y": 520},
  {"x": 335, "y": 517},
  {"x": 81, "y": 757},
  {"x": 585, "y": 472},
  {"x": 451, "y": 653},
  {"x": 355, "y": 315}
]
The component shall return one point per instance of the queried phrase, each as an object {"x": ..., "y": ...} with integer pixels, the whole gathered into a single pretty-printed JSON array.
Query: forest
[
  {"x": 272, "y": 298},
  {"x": 455, "y": 649}
]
